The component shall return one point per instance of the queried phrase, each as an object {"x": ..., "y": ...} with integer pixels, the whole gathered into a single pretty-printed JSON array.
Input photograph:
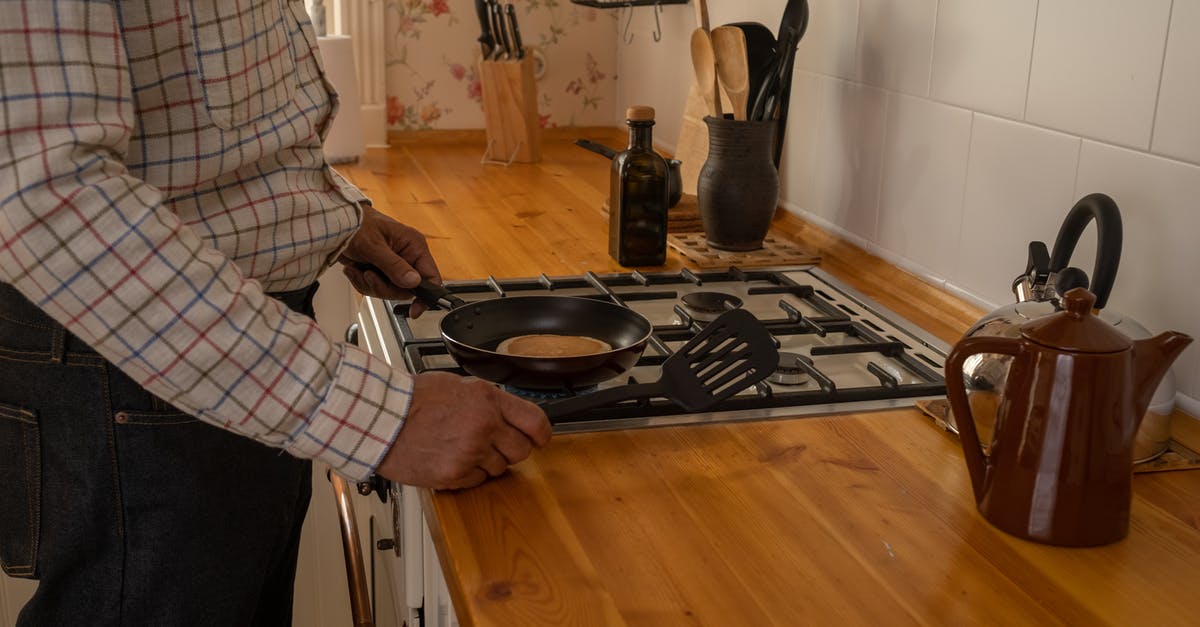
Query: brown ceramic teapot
[{"x": 1058, "y": 469}]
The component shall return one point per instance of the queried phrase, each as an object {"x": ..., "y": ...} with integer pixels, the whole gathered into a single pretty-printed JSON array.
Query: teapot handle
[
  {"x": 1104, "y": 211},
  {"x": 956, "y": 393}
]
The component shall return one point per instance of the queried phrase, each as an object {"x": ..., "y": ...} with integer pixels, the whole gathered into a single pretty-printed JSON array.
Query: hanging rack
[
  {"x": 618, "y": 4},
  {"x": 627, "y": 36}
]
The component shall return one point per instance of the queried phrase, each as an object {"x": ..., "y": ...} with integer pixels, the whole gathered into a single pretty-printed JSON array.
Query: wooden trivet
[
  {"x": 684, "y": 217},
  {"x": 1176, "y": 457},
  {"x": 776, "y": 251}
]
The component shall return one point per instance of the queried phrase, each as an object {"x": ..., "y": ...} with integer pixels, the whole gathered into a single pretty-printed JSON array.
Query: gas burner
[
  {"x": 789, "y": 371},
  {"x": 706, "y": 306},
  {"x": 546, "y": 395}
]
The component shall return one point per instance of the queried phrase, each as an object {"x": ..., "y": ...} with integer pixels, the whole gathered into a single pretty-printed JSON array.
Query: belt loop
[
  {"x": 58, "y": 343},
  {"x": 309, "y": 297}
]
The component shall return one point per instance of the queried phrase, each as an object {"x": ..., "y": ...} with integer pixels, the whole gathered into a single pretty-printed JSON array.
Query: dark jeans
[{"x": 127, "y": 511}]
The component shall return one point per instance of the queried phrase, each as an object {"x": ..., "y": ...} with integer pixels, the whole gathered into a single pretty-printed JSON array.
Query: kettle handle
[
  {"x": 956, "y": 393},
  {"x": 1104, "y": 211}
]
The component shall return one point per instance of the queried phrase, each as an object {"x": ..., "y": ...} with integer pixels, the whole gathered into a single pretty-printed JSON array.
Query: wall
[
  {"x": 945, "y": 135},
  {"x": 432, "y": 50}
]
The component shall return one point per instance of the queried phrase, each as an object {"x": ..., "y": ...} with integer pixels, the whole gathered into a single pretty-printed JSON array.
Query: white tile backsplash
[
  {"x": 798, "y": 168},
  {"x": 829, "y": 43},
  {"x": 1096, "y": 67},
  {"x": 895, "y": 44},
  {"x": 1177, "y": 126},
  {"x": 879, "y": 150},
  {"x": 845, "y": 185},
  {"x": 1157, "y": 276},
  {"x": 981, "y": 53},
  {"x": 1020, "y": 186},
  {"x": 924, "y": 171}
]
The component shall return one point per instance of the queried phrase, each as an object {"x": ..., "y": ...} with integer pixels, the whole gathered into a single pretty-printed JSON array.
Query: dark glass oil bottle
[{"x": 638, "y": 197}]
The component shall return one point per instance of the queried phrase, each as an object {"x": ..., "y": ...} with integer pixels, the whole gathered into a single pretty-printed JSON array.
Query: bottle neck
[{"x": 641, "y": 135}]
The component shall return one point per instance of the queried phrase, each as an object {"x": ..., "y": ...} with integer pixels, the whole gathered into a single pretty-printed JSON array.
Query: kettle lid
[{"x": 1075, "y": 329}]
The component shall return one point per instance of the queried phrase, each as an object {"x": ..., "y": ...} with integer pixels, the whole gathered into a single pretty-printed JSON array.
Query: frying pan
[{"x": 472, "y": 331}]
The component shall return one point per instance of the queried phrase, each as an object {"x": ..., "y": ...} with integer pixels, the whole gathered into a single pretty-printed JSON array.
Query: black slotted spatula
[{"x": 729, "y": 355}]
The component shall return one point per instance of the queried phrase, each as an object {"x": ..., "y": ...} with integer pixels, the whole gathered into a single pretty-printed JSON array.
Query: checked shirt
[{"x": 160, "y": 171}]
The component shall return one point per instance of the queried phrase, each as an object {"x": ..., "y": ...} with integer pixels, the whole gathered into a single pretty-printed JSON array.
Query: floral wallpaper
[{"x": 432, "y": 52}]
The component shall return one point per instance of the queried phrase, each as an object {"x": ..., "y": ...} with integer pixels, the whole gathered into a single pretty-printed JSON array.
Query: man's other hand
[
  {"x": 459, "y": 432},
  {"x": 386, "y": 258}
]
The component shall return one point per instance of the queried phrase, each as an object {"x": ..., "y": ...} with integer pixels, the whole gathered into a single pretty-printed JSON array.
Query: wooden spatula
[
  {"x": 704, "y": 64},
  {"x": 729, "y": 47},
  {"x": 732, "y": 353}
]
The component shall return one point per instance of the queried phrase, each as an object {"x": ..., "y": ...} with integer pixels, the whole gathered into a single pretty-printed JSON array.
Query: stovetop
[{"x": 840, "y": 351}]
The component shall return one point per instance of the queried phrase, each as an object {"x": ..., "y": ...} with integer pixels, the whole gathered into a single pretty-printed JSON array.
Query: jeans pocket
[{"x": 20, "y": 491}]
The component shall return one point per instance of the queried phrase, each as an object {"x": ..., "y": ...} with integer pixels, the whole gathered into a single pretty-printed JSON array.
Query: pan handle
[
  {"x": 575, "y": 404},
  {"x": 437, "y": 296},
  {"x": 599, "y": 149}
]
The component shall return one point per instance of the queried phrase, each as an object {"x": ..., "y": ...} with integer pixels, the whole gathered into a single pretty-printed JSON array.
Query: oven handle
[{"x": 356, "y": 578}]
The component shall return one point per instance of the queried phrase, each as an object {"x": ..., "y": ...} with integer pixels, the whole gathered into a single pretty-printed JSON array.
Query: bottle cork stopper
[{"x": 640, "y": 113}]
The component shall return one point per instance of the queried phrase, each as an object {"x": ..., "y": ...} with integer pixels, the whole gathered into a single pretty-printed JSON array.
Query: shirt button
[{"x": 121, "y": 418}]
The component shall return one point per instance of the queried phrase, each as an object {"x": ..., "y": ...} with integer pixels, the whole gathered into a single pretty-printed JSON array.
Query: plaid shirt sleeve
[{"x": 97, "y": 248}]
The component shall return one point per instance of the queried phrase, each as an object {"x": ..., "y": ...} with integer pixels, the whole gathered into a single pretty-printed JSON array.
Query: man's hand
[
  {"x": 459, "y": 432},
  {"x": 385, "y": 258}
]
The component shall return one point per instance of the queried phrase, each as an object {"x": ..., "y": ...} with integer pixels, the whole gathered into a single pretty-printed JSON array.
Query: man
[{"x": 165, "y": 211}]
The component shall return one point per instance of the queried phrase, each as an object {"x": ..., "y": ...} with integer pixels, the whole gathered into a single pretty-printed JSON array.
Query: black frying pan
[{"x": 472, "y": 331}]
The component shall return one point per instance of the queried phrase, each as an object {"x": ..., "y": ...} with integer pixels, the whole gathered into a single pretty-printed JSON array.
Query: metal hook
[
  {"x": 657, "y": 26},
  {"x": 628, "y": 36}
]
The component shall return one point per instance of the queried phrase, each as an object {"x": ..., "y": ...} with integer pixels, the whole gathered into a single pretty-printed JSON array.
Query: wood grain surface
[{"x": 848, "y": 519}]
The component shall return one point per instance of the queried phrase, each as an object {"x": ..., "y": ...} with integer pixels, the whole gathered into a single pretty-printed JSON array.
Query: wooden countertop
[{"x": 846, "y": 519}]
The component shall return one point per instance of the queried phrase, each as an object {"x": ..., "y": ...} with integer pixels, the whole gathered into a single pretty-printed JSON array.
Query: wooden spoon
[
  {"x": 704, "y": 63},
  {"x": 729, "y": 48}
]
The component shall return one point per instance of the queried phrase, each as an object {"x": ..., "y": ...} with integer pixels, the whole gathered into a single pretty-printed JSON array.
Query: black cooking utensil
[
  {"x": 795, "y": 15},
  {"x": 760, "y": 52},
  {"x": 767, "y": 103},
  {"x": 732, "y": 353}
]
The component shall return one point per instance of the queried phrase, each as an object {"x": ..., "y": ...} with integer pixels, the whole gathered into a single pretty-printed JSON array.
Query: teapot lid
[{"x": 1075, "y": 329}]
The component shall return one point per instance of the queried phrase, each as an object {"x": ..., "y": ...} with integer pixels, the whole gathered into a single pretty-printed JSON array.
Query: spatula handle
[{"x": 568, "y": 406}]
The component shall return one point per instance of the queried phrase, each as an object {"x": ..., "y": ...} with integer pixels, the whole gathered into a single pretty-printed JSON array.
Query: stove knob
[{"x": 375, "y": 484}]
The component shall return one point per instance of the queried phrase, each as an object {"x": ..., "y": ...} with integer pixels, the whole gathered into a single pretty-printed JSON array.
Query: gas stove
[{"x": 840, "y": 351}]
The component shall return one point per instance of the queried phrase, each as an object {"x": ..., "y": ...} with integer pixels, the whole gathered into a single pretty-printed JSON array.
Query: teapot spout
[{"x": 1152, "y": 358}]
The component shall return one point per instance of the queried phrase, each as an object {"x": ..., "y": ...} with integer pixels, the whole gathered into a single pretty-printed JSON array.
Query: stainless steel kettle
[{"x": 1039, "y": 293}]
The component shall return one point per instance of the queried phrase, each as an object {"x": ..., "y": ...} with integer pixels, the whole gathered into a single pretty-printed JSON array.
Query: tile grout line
[
  {"x": 1162, "y": 67},
  {"x": 1033, "y": 47}
]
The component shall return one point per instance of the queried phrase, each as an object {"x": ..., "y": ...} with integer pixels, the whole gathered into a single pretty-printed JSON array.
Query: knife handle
[
  {"x": 485, "y": 27},
  {"x": 502, "y": 48},
  {"x": 514, "y": 32}
]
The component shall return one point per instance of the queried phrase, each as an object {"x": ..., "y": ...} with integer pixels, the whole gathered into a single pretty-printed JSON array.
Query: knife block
[{"x": 510, "y": 111}]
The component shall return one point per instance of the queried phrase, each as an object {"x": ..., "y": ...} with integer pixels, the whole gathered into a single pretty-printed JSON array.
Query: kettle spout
[{"x": 1152, "y": 358}]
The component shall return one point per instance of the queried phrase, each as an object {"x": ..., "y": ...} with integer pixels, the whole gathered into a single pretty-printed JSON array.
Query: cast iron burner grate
[{"x": 854, "y": 354}]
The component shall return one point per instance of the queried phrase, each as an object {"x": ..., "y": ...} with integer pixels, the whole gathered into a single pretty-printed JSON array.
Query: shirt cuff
[
  {"x": 348, "y": 190},
  {"x": 360, "y": 418}
]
